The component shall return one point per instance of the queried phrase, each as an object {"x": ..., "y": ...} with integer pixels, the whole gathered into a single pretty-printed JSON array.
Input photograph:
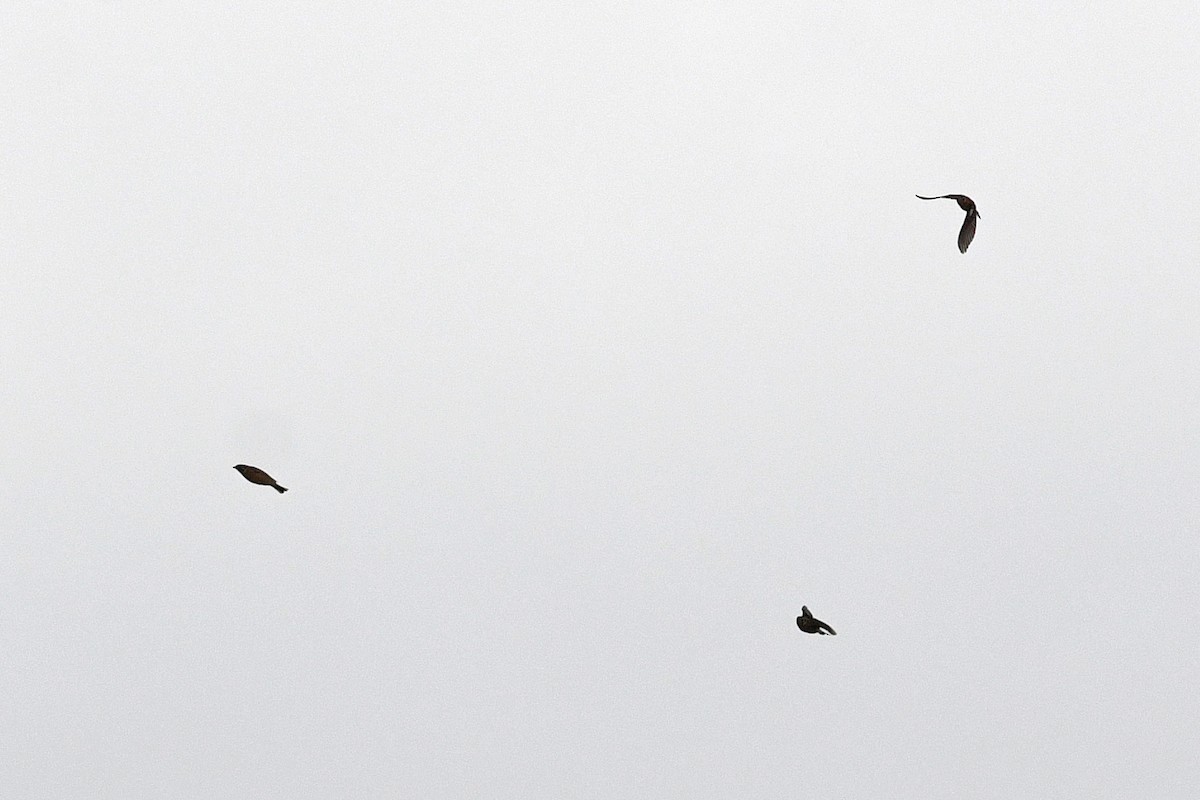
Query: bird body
[
  {"x": 967, "y": 232},
  {"x": 810, "y": 624},
  {"x": 256, "y": 475}
]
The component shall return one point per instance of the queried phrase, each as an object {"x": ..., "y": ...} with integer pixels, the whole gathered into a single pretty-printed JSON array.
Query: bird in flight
[
  {"x": 967, "y": 233},
  {"x": 810, "y": 624},
  {"x": 256, "y": 475}
]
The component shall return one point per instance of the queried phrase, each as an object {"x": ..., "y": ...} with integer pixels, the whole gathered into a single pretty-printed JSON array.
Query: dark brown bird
[
  {"x": 967, "y": 233},
  {"x": 256, "y": 475},
  {"x": 810, "y": 624}
]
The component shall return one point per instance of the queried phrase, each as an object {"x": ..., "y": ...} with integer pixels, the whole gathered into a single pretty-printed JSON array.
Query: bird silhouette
[
  {"x": 256, "y": 475},
  {"x": 967, "y": 232},
  {"x": 810, "y": 624}
]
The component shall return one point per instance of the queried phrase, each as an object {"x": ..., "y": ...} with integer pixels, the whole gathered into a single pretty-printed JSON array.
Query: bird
[
  {"x": 810, "y": 624},
  {"x": 967, "y": 232},
  {"x": 256, "y": 475}
]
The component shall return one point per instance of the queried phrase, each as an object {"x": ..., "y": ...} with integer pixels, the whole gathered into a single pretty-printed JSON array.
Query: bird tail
[{"x": 279, "y": 488}]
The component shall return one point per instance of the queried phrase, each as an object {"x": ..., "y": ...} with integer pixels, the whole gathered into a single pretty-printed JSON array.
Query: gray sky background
[{"x": 593, "y": 341}]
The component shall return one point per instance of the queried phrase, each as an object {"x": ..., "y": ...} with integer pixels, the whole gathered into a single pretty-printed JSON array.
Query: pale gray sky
[{"x": 592, "y": 342}]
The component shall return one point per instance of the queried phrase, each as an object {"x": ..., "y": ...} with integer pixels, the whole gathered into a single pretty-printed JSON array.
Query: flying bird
[
  {"x": 256, "y": 475},
  {"x": 810, "y": 624},
  {"x": 967, "y": 233}
]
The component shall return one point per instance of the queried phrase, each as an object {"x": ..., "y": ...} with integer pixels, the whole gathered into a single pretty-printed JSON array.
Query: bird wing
[
  {"x": 968, "y": 231},
  {"x": 957, "y": 197},
  {"x": 804, "y": 612},
  {"x": 832, "y": 632}
]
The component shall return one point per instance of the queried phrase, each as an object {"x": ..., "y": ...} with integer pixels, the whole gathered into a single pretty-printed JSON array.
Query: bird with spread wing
[{"x": 967, "y": 232}]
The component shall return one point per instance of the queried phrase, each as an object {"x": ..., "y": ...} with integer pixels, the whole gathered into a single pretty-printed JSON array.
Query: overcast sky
[{"x": 592, "y": 342}]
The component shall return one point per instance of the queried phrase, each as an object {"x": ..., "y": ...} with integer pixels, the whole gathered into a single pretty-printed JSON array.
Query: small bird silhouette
[
  {"x": 256, "y": 475},
  {"x": 810, "y": 624},
  {"x": 967, "y": 233}
]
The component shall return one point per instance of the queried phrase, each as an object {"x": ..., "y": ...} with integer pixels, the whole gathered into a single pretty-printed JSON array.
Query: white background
[{"x": 593, "y": 341}]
